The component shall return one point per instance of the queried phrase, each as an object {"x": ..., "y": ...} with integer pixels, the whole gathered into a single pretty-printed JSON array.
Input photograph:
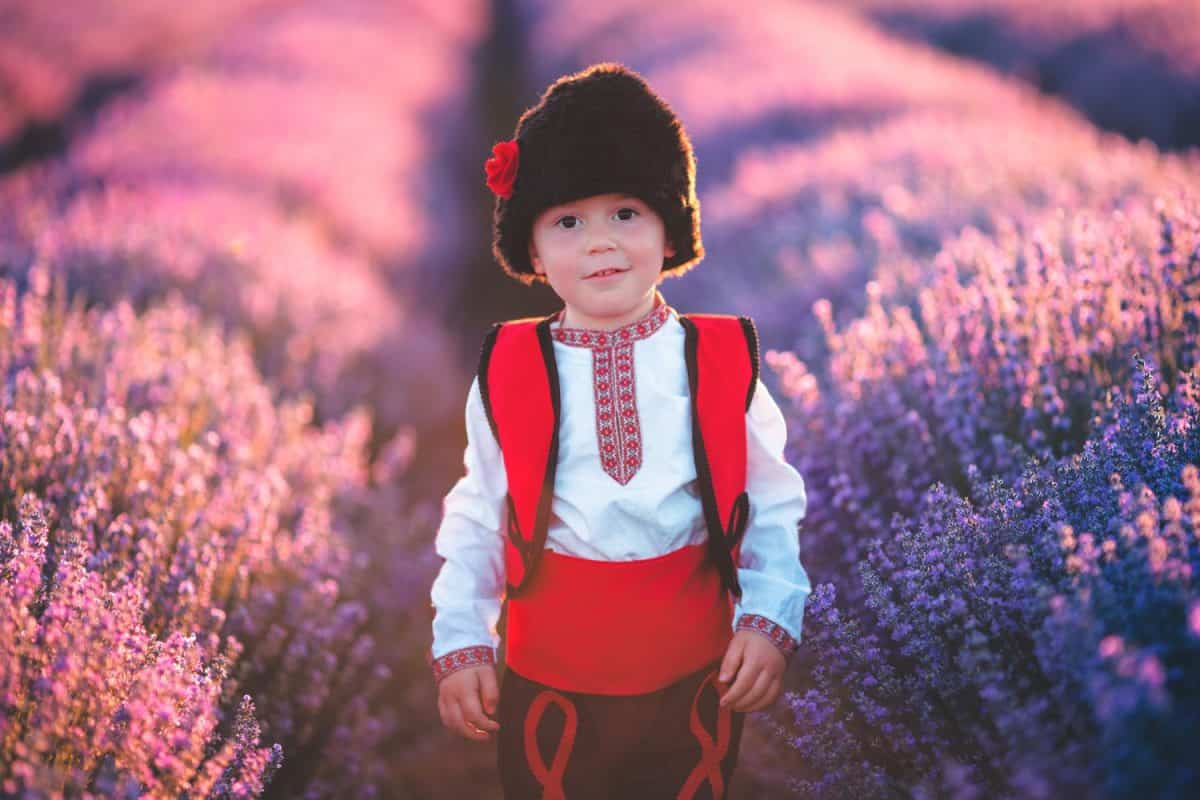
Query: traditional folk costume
[{"x": 625, "y": 492}]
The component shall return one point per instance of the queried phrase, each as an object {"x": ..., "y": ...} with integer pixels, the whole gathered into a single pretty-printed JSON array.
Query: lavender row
[
  {"x": 54, "y": 58},
  {"x": 1016, "y": 262},
  {"x": 995, "y": 612},
  {"x": 166, "y": 474},
  {"x": 811, "y": 221},
  {"x": 1008, "y": 353},
  {"x": 285, "y": 178},
  {"x": 1132, "y": 67},
  {"x": 232, "y": 221},
  {"x": 323, "y": 105},
  {"x": 281, "y": 180},
  {"x": 792, "y": 71},
  {"x": 1037, "y": 641}
]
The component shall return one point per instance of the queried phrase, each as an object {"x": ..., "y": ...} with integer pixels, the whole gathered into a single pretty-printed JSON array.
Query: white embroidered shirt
[{"x": 646, "y": 510}]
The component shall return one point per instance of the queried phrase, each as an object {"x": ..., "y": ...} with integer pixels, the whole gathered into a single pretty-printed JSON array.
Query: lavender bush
[
  {"x": 1010, "y": 353},
  {"x": 1005, "y": 530},
  {"x": 186, "y": 519},
  {"x": 95, "y": 702},
  {"x": 233, "y": 253},
  {"x": 1041, "y": 642},
  {"x": 819, "y": 220},
  {"x": 284, "y": 179}
]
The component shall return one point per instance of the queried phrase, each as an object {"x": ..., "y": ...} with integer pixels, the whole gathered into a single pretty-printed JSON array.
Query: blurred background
[{"x": 245, "y": 273}]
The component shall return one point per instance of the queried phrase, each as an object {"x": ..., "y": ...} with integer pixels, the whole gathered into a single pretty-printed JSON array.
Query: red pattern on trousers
[
  {"x": 711, "y": 752},
  {"x": 551, "y": 778}
]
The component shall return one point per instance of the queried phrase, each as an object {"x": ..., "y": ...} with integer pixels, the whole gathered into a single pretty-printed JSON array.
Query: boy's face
[{"x": 573, "y": 241}]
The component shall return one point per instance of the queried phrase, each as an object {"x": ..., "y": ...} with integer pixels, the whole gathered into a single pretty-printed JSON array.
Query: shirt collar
[{"x": 598, "y": 337}]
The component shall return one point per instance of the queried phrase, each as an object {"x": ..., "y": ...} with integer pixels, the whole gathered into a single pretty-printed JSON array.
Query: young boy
[{"x": 625, "y": 487}]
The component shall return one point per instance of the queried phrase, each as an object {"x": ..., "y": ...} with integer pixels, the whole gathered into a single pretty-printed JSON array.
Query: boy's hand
[
  {"x": 758, "y": 666},
  {"x": 463, "y": 698}
]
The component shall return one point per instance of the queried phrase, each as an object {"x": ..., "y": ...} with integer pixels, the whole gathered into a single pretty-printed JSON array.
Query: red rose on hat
[{"x": 501, "y": 168}]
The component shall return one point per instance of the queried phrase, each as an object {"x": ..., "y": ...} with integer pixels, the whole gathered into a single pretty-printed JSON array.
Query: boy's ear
[
  {"x": 669, "y": 250},
  {"x": 533, "y": 258}
]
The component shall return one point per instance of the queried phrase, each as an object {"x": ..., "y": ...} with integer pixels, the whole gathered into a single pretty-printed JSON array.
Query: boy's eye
[{"x": 568, "y": 221}]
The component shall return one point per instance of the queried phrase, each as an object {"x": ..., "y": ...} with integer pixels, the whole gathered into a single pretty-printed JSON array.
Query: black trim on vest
[
  {"x": 485, "y": 358},
  {"x": 751, "y": 333},
  {"x": 514, "y": 535},
  {"x": 719, "y": 544},
  {"x": 541, "y": 526}
]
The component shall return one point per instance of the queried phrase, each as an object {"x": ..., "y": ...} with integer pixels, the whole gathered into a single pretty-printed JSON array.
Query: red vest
[{"x": 568, "y": 626}]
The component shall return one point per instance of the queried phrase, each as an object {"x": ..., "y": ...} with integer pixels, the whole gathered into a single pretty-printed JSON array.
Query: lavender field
[{"x": 244, "y": 277}]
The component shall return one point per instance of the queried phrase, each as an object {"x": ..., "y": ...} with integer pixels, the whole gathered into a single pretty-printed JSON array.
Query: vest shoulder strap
[
  {"x": 731, "y": 342},
  {"x": 485, "y": 359}
]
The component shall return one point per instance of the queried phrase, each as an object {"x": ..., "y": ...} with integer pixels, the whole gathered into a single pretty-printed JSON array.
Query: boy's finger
[
  {"x": 473, "y": 713},
  {"x": 454, "y": 719},
  {"x": 756, "y": 692},
  {"x": 444, "y": 706},
  {"x": 489, "y": 691},
  {"x": 731, "y": 662},
  {"x": 745, "y": 680},
  {"x": 774, "y": 689},
  {"x": 459, "y": 723}
]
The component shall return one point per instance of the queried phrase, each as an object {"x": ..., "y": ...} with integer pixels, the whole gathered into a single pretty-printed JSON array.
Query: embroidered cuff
[
  {"x": 474, "y": 656},
  {"x": 778, "y": 636}
]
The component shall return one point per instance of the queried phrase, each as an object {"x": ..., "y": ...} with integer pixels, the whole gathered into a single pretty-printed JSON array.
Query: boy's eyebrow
[{"x": 573, "y": 203}]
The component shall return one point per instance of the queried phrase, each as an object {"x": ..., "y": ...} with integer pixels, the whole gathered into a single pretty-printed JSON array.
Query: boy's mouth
[{"x": 604, "y": 273}]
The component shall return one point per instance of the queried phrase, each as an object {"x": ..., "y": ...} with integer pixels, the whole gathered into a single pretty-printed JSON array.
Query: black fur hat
[{"x": 599, "y": 130}]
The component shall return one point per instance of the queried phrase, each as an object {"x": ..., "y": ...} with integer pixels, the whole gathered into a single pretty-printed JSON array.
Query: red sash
[{"x": 619, "y": 627}]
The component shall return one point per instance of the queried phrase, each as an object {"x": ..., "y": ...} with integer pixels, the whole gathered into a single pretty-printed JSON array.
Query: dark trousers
[{"x": 672, "y": 743}]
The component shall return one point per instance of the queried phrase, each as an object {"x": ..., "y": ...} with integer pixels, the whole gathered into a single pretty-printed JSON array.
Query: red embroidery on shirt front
[{"x": 618, "y": 429}]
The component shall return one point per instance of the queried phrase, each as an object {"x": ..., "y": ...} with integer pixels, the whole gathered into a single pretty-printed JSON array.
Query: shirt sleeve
[
  {"x": 468, "y": 590},
  {"x": 774, "y": 583}
]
